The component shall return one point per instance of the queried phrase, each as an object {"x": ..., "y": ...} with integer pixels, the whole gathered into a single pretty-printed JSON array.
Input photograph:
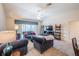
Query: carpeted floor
[{"x": 50, "y": 52}]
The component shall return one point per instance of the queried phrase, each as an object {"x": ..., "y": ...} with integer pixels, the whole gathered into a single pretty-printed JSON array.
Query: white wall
[
  {"x": 74, "y": 30},
  {"x": 2, "y": 18}
]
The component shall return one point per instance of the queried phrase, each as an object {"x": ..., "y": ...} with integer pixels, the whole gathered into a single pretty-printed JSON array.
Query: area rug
[{"x": 50, "y": 52}]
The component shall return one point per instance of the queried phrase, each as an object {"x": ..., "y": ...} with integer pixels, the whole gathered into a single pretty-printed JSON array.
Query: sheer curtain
[{"x": 27, "y": 27}]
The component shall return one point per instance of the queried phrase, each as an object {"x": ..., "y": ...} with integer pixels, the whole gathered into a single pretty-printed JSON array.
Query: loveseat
[{"x": 41, "y": 44}]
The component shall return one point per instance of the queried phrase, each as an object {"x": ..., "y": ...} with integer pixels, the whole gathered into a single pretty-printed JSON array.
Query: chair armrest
[{"x": 37, "y": 45}]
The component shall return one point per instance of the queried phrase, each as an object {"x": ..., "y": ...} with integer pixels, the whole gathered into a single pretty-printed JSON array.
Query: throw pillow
[{"x": 7, "y": 50}]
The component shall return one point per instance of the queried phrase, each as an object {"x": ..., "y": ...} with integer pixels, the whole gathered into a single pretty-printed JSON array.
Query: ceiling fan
[
  {"x": 49, "y": 4},
  {"x": 45, "y": 6}
]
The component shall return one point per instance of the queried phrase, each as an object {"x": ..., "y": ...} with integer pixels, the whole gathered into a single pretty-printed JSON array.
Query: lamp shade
[{"x": 16, "y": 27}]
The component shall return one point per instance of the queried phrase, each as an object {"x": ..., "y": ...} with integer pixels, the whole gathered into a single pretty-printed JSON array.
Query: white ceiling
[{"x": 34, "y": 9}]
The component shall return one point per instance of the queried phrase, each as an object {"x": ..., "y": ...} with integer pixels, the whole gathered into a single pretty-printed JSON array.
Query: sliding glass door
[{"x": 25, "y": 26}]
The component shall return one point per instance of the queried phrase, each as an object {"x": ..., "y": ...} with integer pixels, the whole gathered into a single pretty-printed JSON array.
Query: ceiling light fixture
[{"x": 39, "y": 16}]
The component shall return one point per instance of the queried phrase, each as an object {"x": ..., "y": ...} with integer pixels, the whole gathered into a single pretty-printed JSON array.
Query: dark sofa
[
  {"x": 20, "y": 45},
  {"x": 28, "y": 33},
  {"x": 41, "y": 44}
]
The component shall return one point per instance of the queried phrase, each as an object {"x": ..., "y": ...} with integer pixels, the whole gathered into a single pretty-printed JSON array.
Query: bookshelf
[{"x": 57, "y": 33}]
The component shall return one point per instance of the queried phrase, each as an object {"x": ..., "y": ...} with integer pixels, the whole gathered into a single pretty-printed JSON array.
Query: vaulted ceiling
[{"x": 34, "y": 10}]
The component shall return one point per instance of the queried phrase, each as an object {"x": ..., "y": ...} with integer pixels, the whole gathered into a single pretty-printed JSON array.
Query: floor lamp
[{"x": 16, "y": 29}]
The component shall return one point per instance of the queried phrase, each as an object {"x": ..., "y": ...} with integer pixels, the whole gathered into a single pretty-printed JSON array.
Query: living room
[{"x": 36, "y": 17}]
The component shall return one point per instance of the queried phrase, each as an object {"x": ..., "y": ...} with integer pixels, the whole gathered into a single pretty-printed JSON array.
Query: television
[{"x": 50, "y": 28}]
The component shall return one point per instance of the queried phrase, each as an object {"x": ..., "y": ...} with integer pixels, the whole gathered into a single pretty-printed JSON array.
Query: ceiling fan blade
[{"x": 49, "y": 4}]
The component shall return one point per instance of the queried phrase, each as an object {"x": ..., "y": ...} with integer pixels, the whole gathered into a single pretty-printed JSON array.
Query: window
[{"x": 27, "y": 26}]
